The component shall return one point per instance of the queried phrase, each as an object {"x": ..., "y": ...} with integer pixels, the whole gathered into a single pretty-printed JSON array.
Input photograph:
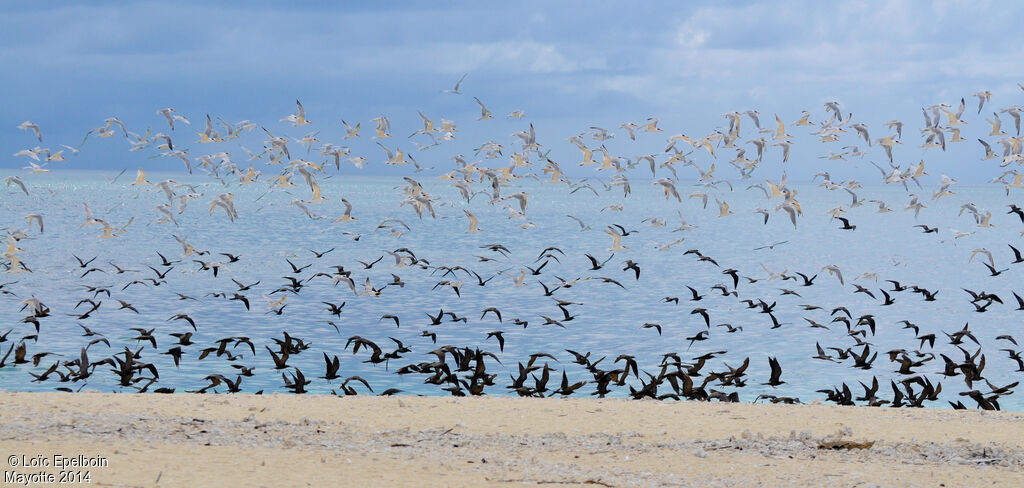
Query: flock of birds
[{"x": 930, "y": 362}]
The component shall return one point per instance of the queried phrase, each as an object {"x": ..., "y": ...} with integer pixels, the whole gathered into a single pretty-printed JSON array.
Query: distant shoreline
[{"x": 288, "y": 440}]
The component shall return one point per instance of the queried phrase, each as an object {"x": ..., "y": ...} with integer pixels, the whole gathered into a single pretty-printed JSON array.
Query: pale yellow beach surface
[{"x": 292, "y": 440}]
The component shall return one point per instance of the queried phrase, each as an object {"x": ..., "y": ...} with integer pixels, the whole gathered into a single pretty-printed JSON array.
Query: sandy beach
[{"x": 289, "y": 440}]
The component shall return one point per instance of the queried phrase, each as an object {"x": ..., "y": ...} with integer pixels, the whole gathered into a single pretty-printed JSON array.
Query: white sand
[{"x": 290, "y": 440}]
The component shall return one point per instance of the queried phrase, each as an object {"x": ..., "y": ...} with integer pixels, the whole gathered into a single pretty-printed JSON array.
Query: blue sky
[{"x": 567, "y": 65}]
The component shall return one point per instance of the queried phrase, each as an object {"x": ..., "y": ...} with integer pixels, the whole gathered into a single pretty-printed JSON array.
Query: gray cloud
[{"x": 569, "y": 64}]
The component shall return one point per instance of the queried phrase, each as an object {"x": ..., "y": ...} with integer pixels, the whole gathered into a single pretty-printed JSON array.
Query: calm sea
[{"x": 269, "y": 232}]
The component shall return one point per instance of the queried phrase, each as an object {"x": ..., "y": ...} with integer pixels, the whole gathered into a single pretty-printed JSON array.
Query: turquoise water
[{"x": 269, "y": 232}]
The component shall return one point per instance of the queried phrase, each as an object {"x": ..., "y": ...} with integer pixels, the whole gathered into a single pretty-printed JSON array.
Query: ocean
[{"x": 607, "y": 318}]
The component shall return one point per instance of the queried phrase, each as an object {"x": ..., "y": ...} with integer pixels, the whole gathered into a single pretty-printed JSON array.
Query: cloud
[
  {"x": 727, "y": 51},
  {"x": 570, "y": 65},
  {"x": 518, "y": 57},
  {"x": 691, "y": 37},
  {"x": 154, "y": 41}
]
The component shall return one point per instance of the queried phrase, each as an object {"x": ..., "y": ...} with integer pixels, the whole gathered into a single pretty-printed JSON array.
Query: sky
[{"x": 568, "y": 65}]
